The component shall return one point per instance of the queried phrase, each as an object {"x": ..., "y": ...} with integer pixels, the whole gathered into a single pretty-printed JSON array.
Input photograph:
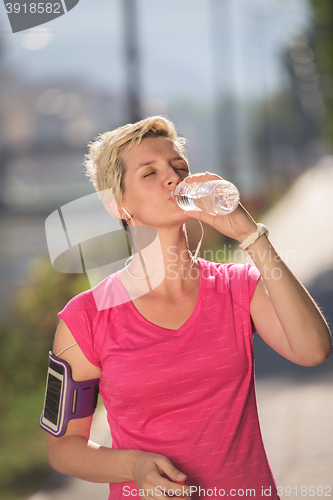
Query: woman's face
[{"x": 153, "y": 170}]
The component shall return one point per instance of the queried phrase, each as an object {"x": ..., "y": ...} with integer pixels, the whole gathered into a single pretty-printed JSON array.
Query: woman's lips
[{"x": 172, "y": 197}]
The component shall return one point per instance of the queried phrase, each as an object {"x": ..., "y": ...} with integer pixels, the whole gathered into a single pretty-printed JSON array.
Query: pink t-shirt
[{"x": 187, "y": 394}]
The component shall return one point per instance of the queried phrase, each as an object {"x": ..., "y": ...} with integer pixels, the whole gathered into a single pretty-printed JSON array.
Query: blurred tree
[
  {"x": 323, "y": 48},
  {"x": 27, "y": 335}
]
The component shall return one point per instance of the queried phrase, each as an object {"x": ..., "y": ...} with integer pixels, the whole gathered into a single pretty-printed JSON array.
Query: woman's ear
[{"x": 111, "y": 203}]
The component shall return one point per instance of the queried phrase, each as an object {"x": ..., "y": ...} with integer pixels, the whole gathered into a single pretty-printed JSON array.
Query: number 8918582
[{"x": 305, "y": 491}]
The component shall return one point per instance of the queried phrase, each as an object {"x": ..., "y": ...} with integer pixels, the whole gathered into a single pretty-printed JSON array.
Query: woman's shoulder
[
  {"x": 229, "y": 270},
  {"x": 88, "y": 318},
  {"x": 231, "y": 278},
  {"x": 94, "y": 299}
]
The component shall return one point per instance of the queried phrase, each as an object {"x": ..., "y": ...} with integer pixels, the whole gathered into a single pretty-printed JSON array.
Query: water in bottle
[{"x": 218, "y": 197}]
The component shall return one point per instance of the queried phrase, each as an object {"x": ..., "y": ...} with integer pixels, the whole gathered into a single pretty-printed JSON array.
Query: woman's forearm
[
  {"x": 303, "y": 324},
  {"x": 76, "y": 456}
]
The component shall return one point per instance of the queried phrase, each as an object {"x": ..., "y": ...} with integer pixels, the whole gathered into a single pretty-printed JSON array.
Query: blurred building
[{"x": 45, "y": 131}]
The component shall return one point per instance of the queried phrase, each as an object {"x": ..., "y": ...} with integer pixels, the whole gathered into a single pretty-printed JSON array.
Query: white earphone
[
  {"x": 128, "y": 261},
  {"x": 124, "y": 210}
]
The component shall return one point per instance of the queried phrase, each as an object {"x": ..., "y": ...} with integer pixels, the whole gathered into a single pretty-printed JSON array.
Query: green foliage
[
  {"x": 27, "y": 336},
  {"x": 25, "y": 340},
  {"x": 23, "y": 461},
  {"x": 323, "y": 48}
]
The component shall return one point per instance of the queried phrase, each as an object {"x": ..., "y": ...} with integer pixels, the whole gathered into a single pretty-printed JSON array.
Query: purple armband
[{"x": 65, "y": 399}]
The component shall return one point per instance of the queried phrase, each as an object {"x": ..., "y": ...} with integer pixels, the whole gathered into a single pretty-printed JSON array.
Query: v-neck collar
[{"x": 168, "y": 331}]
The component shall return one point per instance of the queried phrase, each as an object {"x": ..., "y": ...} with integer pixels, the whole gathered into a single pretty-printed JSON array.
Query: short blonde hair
[{"x": 104, "y": 165}]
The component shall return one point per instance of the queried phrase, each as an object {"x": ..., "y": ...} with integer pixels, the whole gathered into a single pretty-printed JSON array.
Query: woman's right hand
[{"x": 148, "y": 470}]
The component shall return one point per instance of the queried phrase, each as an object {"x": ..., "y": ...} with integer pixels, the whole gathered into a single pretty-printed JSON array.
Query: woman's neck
[{"x": 163, "y": 255}]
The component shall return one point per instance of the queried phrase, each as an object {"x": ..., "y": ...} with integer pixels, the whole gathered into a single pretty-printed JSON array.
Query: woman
[{"x": 176, "y": 361}]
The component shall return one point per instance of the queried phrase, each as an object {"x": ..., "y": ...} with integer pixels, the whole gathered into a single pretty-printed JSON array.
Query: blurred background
[{"x": 249, "y": 83}]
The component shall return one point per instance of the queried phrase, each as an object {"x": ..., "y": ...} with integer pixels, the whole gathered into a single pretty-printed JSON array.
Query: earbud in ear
[{"x": 124, "y": 210}]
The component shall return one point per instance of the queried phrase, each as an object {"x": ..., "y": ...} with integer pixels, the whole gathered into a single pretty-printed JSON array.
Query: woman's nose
[{"x": 172, "y": 178}]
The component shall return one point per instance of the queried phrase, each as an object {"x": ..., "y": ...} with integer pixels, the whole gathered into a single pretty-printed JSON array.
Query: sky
[{"x": 191, "y": 49}]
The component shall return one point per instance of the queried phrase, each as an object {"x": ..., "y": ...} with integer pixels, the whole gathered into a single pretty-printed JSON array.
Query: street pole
[{"x": 132, "y": 62}]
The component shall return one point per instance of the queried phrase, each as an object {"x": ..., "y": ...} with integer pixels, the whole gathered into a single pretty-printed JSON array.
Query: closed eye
[
  {"x": 182, "y": 169},
  {"x": 183, "y": 172}
]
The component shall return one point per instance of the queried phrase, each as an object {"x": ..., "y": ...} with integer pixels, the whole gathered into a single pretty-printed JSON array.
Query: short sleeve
[
  {"x": 79, "y": 315},
  {"x": 243, "y": 279},
  {"x": 254, "y": 276}
]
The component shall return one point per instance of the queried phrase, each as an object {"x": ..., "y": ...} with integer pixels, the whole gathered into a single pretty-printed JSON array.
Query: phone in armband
[{"x": 65, "y": 398}]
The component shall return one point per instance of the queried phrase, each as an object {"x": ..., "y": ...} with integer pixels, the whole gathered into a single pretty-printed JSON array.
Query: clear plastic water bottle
[{"x": 214, "y": 197}]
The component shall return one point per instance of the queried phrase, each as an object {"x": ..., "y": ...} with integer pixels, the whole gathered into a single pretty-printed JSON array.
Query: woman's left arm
[{"x": 284, "y": 313}]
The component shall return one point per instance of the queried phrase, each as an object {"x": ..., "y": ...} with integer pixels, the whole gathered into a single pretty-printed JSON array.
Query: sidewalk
[{"x": 296, "y": 423}]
